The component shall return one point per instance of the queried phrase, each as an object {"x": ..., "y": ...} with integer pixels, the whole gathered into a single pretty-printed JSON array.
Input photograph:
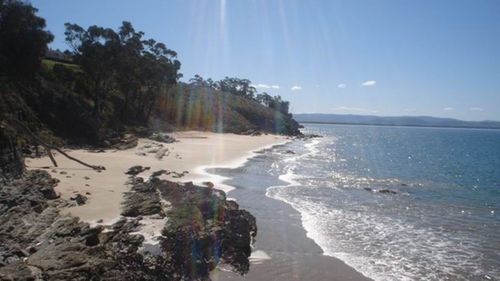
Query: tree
[
  {"x": 94, "y": 50},
  {"x": 123, "y": 62},
  {"x": 23, "y": 39},
  {"x": 237, "y": 86},
  {"x": 280, "y": 105},
  {"x": 264, "y": 99},
  {"x": 160, "y": 72}
]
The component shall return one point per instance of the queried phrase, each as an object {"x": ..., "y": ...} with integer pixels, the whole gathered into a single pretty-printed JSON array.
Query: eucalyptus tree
[
  {"x": 123, "y": 63},
  {"x": 95, "y": 51},
  {"x": 23, "y": 39}
]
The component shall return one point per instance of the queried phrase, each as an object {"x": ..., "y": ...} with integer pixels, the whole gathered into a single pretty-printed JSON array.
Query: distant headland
[{"x": 415, "y": 121}]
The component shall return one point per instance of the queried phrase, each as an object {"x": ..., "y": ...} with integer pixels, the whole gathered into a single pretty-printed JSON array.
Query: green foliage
[
  {"x": 188, "y": 106},
  {"x": 23, "y": 40},
  {"x": 125, "y": 65},
  {"x": 249, "y": 114},
  {"x": 112, "y": 80},
  {"x": 50, "y": 64}
]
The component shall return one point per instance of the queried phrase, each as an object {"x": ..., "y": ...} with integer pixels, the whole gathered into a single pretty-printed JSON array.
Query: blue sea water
[{"x": 443, "y": 223}]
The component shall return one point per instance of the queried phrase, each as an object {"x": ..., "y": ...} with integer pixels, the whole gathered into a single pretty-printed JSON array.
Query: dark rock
[
  {"x": 135, "y": 170},
  {"x": 143, "y": 200},
  {"x": 209, "y": 184},
  {"x": 79, "y": 199},
  {"x": 219, "y": 224},
  {"x": 289, "y": 152},
  {"x": 122, "y": 143},
  {"x": 159, "y": 173},
  {"x": 368, "y": 189},
  {"x": 202, "y": 230},
  {"x": 162, "y": 137},
  {"x": 308, "y": 136},
  {"x": 179, "y": 175},
  {"x": 387, "y": 191},
  {"x": 251, "y": 133}
]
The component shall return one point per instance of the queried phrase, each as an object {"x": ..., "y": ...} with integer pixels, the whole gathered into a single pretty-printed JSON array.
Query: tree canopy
[
  {"x": 23, "y": 39},
  {"x": 243, "y": 88},
  {"x": 123, "y": 60}
]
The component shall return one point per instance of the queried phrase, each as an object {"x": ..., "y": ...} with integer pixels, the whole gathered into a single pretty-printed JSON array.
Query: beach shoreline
[
  {"x": 283, "y": 248},
  {"x": 198, "y": 153},
  {"x": 187, "y": 158}
]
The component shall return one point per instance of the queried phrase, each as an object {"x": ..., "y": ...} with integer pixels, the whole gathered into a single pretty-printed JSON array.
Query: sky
[{"x": 371, "y": 57}]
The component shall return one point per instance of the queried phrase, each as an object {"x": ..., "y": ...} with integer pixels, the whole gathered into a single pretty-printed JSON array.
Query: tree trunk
[{"x": 11, "y": 159}]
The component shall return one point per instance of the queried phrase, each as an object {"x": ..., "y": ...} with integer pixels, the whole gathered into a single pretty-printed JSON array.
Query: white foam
[
  {"x": 219, "y": 180},
  {"x": 258, "y": 257},
  {"x": 381, "y": 247}
]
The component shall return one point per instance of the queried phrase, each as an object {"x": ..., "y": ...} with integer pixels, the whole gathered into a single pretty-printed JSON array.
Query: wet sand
[{"x": 284, "y": 252}]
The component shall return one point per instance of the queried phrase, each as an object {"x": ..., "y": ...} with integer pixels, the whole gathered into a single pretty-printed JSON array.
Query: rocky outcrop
[
  {"x": 135, "y": 170},
  {"x": 117, "y": 141},
  {"x": 202, "y": 222},
  {"x": 202, "y": 231},
  {"x": 383, "y": 191},
  {"x": 142, "y": 200},
  {"x": 162, "y": 137}
]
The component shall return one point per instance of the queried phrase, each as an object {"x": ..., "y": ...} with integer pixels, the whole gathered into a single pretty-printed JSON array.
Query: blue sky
[{"x": 380, "y": 57}]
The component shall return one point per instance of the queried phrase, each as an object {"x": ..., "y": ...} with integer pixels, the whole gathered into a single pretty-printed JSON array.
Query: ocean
[{"x": 441, "y": 223}]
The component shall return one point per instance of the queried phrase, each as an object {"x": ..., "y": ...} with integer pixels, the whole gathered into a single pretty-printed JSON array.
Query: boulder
[
  {"x": 79, "y": 199},
  {"x": 162, "y": 137},
  {"x": 387, "y": 191},
  {"x": 135, "y": 170}
]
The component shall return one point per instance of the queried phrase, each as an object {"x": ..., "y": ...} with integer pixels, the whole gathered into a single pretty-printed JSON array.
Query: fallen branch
[
  {"x": 97, "y": 168},
  {"x": 48, "y": 147}
]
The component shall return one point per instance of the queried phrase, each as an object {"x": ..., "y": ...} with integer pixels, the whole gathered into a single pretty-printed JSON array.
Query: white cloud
[
  {"x": 341, "y": 86},
  {"x": 369, "y": 83},
  {"x": 296, "y": 88},
  {"x": 265, "y": 86},
  {"x": 261, "y": 86},
  {"x": 448, "y": 109},
  {"x": 475, "y": 109},
  {"x": 349, "y": 109}
]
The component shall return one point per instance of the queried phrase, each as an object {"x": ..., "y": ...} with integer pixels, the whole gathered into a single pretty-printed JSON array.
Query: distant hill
[{"x": 419, "y": 121}]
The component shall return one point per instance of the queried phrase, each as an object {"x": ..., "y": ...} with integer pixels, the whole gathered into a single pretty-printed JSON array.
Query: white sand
[{"x": 194, "y": 152}]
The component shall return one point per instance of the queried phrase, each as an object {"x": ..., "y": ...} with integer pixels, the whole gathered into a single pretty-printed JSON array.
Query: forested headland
[{"x": 113, "y": 81}]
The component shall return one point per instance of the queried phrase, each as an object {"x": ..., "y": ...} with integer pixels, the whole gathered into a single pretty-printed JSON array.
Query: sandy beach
[
  {"x": 193, "y": 152},
  {"x": 282, "y": 252}
]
